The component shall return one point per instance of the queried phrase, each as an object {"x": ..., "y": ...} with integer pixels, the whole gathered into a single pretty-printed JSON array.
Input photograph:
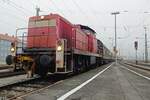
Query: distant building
[{"x": 5, "y": 44}]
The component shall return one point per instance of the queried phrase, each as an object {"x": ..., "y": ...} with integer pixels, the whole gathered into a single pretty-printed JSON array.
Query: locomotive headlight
[
  {"x": 42, "y": 17},
  {"x": 12, "y": 49},
  {"x": 59, "y": 48}
]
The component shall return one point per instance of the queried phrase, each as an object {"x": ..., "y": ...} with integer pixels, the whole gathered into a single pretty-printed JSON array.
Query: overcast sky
[{"x": 94, "y": 13}]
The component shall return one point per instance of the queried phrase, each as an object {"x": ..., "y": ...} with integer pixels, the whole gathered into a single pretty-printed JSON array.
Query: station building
[{"x": 5, "y": 43}]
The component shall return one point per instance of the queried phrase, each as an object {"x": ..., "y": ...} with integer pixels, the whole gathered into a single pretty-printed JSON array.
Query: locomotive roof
[
  {"x": 58, "y": 16},
  {"x": 50, "y": 16},
  {"x": 87, "y": 28}
]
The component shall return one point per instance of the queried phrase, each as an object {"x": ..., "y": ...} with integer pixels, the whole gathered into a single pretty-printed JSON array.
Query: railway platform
[{"x": 109, "y": 82}]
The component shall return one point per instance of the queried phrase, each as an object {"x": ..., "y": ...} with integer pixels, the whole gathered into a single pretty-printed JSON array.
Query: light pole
[
  {"x": 136, "y": 48},
  {"x": 146, "y": 49},
  {"x": 115, "y": 48}
]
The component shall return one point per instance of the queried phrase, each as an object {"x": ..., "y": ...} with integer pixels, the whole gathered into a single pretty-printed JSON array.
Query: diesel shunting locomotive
[{"x": 53, "y": 44}]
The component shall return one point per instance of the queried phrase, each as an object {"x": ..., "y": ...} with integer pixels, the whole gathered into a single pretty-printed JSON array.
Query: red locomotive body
[
  {"x": 55, "y": 45},
  {"x": 46, "y": 31},
  {"x": 81, "y": 40},
  {"x": 92, "y": 43}
]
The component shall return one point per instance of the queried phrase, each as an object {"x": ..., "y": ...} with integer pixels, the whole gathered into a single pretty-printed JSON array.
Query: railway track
[
  {"x": 144, "y": 64},
  {"x": 15, "y": 90},
  {"x": 5, "y": 67},
  {"x": 4, "y": 74},
  {"x": 137, "y": 66}
]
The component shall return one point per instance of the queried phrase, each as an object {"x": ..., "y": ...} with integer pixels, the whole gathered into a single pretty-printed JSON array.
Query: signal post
[{"x": 136, "y": 48}]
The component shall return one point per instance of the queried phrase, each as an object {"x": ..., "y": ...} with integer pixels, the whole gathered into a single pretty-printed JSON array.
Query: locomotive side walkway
[{"x": 116, "y": 82}]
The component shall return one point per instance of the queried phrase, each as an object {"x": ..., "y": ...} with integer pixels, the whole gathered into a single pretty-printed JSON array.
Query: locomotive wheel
[
  {"x": 42, "y": 63},
  {"x": 9, "y": 59},
  {"x": 45, "y": 60},
  {"x": 43, "y": 72}
]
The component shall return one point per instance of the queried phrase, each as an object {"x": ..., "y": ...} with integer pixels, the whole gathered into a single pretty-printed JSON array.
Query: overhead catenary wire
[
  {"x": 11, "y": 15},
  {"x": 23, "y": 14},
  {"x": 81, "y": 11},
  {"x": 57, "y": 8},
  {"x": 18, "y": 7},
  {"x": 19, "y": 18},
  {"x": 68, "y": 10},
  {"x": 93, "y": 14},
  {"x": 6, "y": 23}
]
